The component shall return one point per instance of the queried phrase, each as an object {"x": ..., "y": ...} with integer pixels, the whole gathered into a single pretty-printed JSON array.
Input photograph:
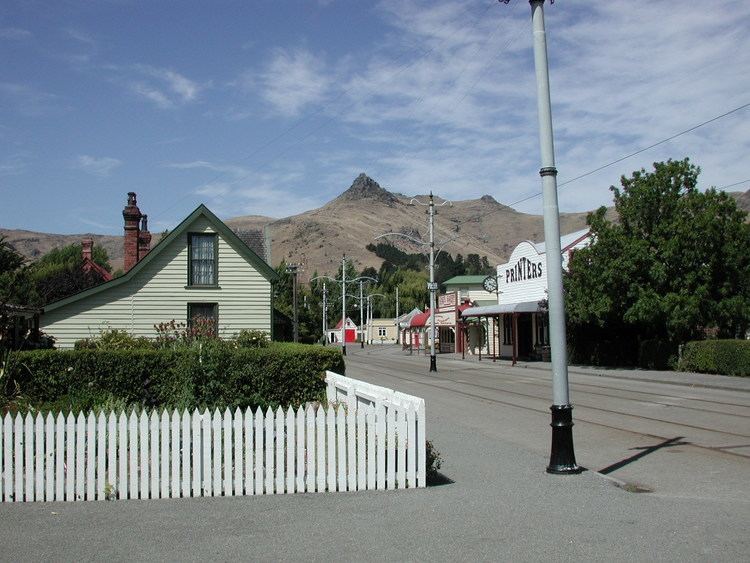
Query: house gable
[{"x": 156, "y": 289}]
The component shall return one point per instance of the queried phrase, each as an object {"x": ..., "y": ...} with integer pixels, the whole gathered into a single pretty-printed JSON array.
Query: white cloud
[
  {"x": 14, "y": 33},
  {"x": 448, "y": 100},
  {"x": 96, "y": 166},
  {"x": 292, "y": 81},
  {"x": 164, "y": 87},
  {"x": 237, "y": 190},
  {"x": 29, "y": 101}
]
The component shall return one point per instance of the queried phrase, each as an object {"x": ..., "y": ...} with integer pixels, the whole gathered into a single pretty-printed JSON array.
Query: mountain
[{"x": 318, "y": 238}]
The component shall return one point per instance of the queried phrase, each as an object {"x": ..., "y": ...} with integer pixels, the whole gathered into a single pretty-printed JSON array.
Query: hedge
[
  {"x": 725, "y": 357},
  {"x": 216, "y": 376}
]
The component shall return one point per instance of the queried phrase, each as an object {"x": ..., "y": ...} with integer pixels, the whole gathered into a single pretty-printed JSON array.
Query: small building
[
  {"x": 382, "y": 331},
  {"x": 200, "y": 271},
  {"x": 479, "y": 333},
  {"x": 350, "y": 333},
  {"x": 520, "y": 310},
  {"x": 403, "y": 322}
]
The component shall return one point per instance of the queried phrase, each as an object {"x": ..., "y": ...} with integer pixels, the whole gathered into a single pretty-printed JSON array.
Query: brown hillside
[{"x": 319, "y": 237}]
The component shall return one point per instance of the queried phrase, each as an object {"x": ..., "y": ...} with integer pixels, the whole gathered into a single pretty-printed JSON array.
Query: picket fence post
[
  {"x": 300, "y": 439},
  {"x": 363, "y": 443}
]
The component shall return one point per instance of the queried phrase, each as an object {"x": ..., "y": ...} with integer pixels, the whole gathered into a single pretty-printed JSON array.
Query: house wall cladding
[{"x": 157, "y": 294}]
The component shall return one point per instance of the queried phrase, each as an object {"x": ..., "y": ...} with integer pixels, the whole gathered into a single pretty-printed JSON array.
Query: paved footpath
[{"x": 687, "y": 443}]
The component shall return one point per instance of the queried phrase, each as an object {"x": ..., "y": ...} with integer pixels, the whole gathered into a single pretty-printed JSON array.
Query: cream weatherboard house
[{"x": 201, "y": 268}]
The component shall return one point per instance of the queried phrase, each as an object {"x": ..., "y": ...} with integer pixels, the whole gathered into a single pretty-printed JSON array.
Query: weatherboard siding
[{"x": 158, "y": 294}]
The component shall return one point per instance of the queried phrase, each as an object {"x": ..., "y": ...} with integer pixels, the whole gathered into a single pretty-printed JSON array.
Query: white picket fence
[{"x": 95, "y": 457}]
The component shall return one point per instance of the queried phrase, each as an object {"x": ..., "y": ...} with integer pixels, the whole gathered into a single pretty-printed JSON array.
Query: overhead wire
[{"x": 529, "y": 197}]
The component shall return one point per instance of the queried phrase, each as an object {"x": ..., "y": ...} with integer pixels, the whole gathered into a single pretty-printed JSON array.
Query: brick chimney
[
  {"x": 132, "y": 216},
  {"x": 144, "y": 238},
  {"x": 87, "y": 249}
]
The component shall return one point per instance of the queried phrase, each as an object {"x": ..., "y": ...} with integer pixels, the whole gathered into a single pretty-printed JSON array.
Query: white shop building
[{"x": 521, "y": 300}]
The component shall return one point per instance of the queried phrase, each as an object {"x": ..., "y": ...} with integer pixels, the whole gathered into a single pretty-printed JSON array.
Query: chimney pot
[{"x": 87, "y": 249}]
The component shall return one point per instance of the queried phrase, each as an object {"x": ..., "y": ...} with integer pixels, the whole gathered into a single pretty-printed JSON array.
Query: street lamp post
[
  {"x": 292, "y": 269},
  {"x": 432, "y": 286},
  {"x": 325, "y": 313},
  {"x": 361, "y": 319},
  {"x": 562, "y": 455},
  {"x": 343, "y": 305}
]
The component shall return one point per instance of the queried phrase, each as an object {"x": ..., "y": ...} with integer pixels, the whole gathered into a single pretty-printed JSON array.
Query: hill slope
[{"x": 318, "y": 238}]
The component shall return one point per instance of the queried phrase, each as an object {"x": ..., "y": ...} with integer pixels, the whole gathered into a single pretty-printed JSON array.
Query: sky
[{"x": 274, "y": 107}]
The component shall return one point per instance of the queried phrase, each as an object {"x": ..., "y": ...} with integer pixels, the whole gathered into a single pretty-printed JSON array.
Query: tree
[
  {"x": 59, "y": 273},
  {"x": 16, "y": 289},
  {"x": 674, "y": 265}
]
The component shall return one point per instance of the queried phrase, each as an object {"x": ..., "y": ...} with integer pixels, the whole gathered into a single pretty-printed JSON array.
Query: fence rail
[{"x": 379, "y": 445}]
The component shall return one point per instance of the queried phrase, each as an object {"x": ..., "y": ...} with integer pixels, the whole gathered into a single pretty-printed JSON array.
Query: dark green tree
[
  {"x": 59, "y": 273},
  {"x": 16, "y": 289},
  {"x": 674, "y": 266}
]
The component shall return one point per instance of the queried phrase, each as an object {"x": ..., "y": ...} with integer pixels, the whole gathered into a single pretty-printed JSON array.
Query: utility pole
[
  {"x": 325, "y": 313},
  {"x": 396, "y": 301},
  {"x": 562, "y": 455},
  {"x": 361, "y": 313},
  {"x": 292, "y": 269},
  {"x": 432, "y": 286},
  {"x": 343, "y": 305}
]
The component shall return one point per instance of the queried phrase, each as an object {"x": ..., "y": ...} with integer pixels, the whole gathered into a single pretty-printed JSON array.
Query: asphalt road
[{"x": 688, "y": 443}]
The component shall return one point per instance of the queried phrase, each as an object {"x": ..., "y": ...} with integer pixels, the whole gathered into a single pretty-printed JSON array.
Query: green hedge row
[
  {"x": 726, "y": 357},
  {"x": 214, "y": 376}
]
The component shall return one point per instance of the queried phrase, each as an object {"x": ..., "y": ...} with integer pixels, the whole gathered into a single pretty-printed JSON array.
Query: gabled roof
[
  {"x": 465, "y": 280},
  {"x": 349, "y": 322},
  {"x": 242, "y": 249}
]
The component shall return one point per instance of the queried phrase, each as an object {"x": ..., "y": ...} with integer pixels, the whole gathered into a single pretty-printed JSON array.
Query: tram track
[{"x": 372, "y": 367}]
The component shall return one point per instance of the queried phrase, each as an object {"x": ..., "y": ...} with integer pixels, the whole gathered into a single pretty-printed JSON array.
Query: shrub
[
  {"x": 214, "y": 375},
  {"x": 113, "y": 339},
  {"x": 725, "y": 357},
  {"x": 657, "y": 354},
  {"x": 252, "y": 339},
  {"x": 434, "y": 461}
]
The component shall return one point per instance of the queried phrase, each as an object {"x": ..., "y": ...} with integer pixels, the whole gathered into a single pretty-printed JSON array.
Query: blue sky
[{"x": 273, "y": 107}]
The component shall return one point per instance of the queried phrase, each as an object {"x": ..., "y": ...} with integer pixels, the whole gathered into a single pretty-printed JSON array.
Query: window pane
[
  {"x": 202, "y": 318},
  {"x": 202, "y": 260}
]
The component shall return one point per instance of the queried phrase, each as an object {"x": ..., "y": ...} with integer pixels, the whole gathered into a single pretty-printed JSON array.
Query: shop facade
[{"x": 520, "y": 315}]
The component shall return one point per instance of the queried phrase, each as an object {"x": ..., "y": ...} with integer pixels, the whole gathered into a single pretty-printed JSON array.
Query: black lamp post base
[
  {"x": 343, "y": 350},
  {"x": 562, "y": 459},
  {"x": 433, "y": 363},
  {"x": 361, "y": 343}
]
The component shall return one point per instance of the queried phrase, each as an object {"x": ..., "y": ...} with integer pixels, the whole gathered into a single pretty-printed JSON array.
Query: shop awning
[
  {"x": 419, "y": 320},
  {"x": 503, "y": 308}
]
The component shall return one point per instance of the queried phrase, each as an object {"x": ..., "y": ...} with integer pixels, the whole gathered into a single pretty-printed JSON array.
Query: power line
[
  {"x": 656, "y": 144},
  {"x": 602, "y": 167},
  {"x": 733, "y": 185}
]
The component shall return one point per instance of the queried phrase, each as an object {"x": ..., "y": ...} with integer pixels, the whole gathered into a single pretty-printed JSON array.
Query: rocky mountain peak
[
  {"x": 365, "y": 188},
  {"x": 488, "y": 199}
]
